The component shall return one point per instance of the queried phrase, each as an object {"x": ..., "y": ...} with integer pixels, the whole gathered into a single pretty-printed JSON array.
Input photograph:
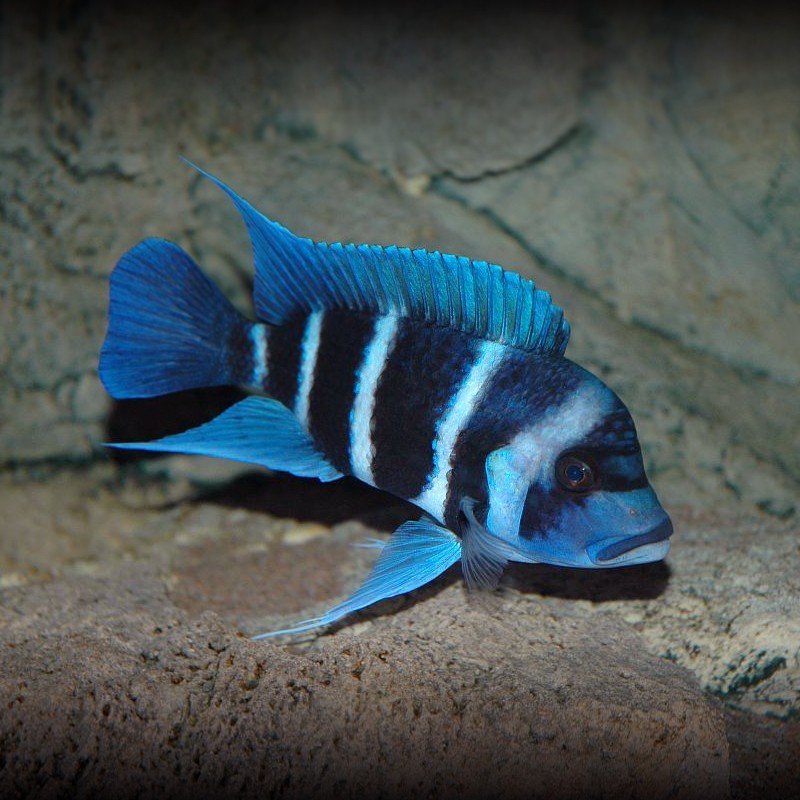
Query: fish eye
[{"x": 575, "y": 474}]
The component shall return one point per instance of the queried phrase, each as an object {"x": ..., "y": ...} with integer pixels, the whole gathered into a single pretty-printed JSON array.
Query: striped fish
[{"x": 431, "y": 376}]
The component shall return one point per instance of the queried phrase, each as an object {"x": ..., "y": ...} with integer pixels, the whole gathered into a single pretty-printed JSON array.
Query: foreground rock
[
  {"x": 727, "y": 606},
  {"x": 109, "y": 689},
  {"x": 128, "y": 592}
]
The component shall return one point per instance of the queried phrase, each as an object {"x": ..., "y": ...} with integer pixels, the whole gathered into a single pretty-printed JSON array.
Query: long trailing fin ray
[
  {"x": 415, "y": 554},
  {"x": 257, "y": 430},
  {"x": 294, "y": 274},
  {"x": 169, "y": 327}
]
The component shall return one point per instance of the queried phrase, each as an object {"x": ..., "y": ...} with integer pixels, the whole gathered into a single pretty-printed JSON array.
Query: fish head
[
  {"x": 602, "y": 512},
  {"x": 571, "y": 489}
]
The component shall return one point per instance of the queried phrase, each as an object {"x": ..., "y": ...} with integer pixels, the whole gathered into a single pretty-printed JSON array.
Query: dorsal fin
[{"x": 295, "y": 274}]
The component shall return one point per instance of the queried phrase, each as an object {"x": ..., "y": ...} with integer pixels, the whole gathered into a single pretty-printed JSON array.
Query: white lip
[
  {"x": 641, "y": 548},
  {"x": 655, "y": 551}
]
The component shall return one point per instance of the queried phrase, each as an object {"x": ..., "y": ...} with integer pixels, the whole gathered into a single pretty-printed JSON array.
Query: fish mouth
[{"x": 652, "y": 545}]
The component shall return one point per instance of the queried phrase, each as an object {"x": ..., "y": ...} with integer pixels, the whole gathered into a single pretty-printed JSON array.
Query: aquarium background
[{"x": 641, "y": 162}]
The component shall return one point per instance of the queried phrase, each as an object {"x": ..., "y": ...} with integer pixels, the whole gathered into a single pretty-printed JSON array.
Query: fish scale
[{"x": 437, "y": 378}]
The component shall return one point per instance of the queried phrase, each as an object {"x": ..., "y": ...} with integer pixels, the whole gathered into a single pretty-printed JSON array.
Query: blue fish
[{"x": 434, "y": 377}]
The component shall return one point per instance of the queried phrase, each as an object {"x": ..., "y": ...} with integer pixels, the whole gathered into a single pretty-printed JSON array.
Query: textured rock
[
  {"x": 677, "y": 201},
  {"x": 98, "y": 104},
  {"x": 109, "y": 689},
  {"x": 728, "y": 608},
  {"x": 97, "y": 568},
  {"x": 478, "y": 109},
  {"x": 763, "y": 756}
]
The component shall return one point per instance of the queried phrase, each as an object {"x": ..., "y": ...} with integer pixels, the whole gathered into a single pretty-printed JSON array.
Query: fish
[{"x": 434, "y": 377}]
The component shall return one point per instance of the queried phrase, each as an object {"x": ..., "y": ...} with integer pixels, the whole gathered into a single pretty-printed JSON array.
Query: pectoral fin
[
  {"x": 483, "y": 555},
  {"x": 416, "y": 553}
]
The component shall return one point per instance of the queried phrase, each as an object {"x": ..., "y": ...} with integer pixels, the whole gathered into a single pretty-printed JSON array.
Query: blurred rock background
[
  {"x": 643, "y": 166},
  {"x": 642, "y": 163}
]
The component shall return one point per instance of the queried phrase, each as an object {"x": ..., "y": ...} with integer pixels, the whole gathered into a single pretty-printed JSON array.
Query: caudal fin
[{"x": 170, "y": 328}]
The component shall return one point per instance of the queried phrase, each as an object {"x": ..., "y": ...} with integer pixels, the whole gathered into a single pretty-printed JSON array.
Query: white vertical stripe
[
  {"x": 308, "y": 361},
  {"x": 362, "y": 450},
  {"x": 258, "y": 336},
  {"x": 434, "y": 496}
]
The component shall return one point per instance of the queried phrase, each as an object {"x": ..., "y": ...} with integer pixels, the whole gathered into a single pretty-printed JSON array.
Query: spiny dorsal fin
[{"x": 294, "y": 274}]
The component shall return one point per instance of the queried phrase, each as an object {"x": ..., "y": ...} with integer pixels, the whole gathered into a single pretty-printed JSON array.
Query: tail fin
[{"x": 170, "y": 328}]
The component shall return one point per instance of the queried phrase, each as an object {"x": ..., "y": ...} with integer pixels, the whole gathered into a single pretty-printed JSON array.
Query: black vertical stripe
[
  {"x": 524, "y": 388},
  {"x": 425, "y": 369},
  {"x": 343, "y": 339},
  {"x": 283, "y": 359},
  {"x": 542, "y": 510}
]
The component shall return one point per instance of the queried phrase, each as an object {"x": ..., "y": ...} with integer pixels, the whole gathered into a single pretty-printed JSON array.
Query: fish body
[{"x": 436, "y": 378}]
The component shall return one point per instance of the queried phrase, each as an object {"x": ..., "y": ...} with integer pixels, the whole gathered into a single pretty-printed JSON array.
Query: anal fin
[
  {"x": 416, "y": 553},
  {"x": 257, "y": 430}
]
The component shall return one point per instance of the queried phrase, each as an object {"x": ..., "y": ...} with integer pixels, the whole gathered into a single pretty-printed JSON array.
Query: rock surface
[
  {"x": 114, "y": 682},
  {"x": 641, "y": 166},
  {"x": 676, "y": 200},
  {"x": 121, "y": 694},
  {"x": 122, "y": 603}
]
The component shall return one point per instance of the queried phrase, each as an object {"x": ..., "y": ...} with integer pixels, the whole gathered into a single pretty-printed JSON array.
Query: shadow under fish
[{"x": 431, "y": 376}]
